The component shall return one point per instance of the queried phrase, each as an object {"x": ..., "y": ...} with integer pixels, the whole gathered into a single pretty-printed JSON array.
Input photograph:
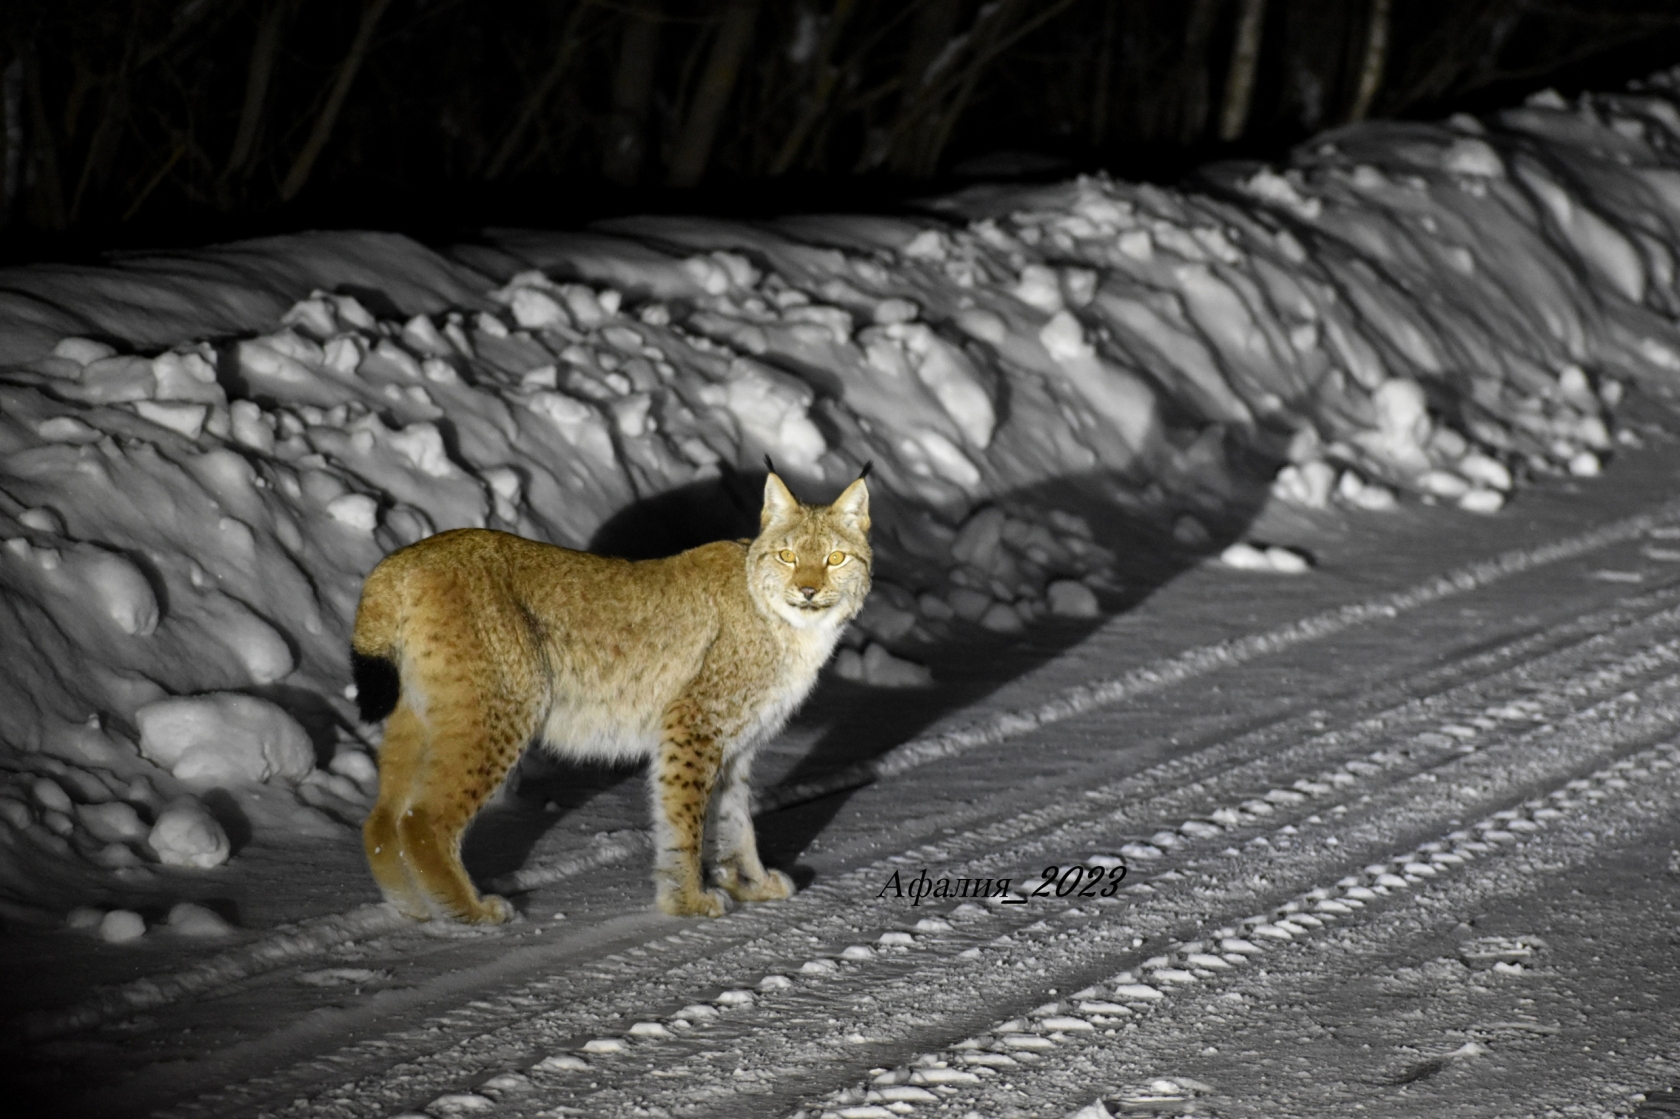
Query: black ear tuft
[
  {"x": 867, "y": 467},
  {"x": 768, "y": 465}
]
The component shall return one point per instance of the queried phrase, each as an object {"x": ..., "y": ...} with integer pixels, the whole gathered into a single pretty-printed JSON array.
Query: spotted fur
[{"x": 479, "y": 642}]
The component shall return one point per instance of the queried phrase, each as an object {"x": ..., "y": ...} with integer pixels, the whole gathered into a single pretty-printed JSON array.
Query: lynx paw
[
  {"x": 409, "y": 908},
  {"x": 774, "y": 886},
  {"x": 695, "y": 902},
  {"x": 491, "y": 910}
]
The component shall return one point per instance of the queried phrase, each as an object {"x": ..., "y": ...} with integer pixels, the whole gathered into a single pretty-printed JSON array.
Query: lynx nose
[{"x": 808, "y": 592}]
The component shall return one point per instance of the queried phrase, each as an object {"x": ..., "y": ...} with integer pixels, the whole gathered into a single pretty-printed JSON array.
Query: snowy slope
[{"x": 188, "y": 506}]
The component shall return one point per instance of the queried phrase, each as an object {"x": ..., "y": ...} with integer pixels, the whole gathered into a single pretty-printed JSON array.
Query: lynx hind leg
[
  {"x": 733, "y": 845},
  {"x": 471, "y": 746},
  {"x": 685, "y": 771},
  {"x": 400, "y": 755}
]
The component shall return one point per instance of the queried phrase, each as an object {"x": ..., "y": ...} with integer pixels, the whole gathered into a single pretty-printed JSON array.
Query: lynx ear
[
  {"x": 779, "y": 501},
  {"x": 853, "y": 504}
]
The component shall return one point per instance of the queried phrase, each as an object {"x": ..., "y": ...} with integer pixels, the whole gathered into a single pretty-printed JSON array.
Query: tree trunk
[
  {"x": 1193, "y": 82},
  {"x": 1102, "y": 84},
  {"x": 1376, "y": 58},
  {"x": 46, "y": 193},
  {"x": 931, "y": 37},
  {"x": 1245, "y": 60},
  {"x": 693, "y": 147},
  {"x": 632, "y": 96},
  {"x": 822, "y": 91},
  {"x": 265, "y": 50},
  {"x": 11, "y": 117},
  {"x": 372, "y": 12}
]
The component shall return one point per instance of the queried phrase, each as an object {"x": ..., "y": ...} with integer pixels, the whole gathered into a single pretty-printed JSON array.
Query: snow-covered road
[{"x": 1434, "y": 875}]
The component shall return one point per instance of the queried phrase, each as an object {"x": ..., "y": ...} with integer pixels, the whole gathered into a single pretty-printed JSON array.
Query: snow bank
[{"x": 189, "y": 503}]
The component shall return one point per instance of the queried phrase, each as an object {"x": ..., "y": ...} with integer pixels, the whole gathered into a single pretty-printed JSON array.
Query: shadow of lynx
[{"x": 851, "y": 722}]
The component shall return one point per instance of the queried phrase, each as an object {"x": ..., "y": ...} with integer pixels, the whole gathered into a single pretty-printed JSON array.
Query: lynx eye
[
  {"x": 835, "y": 559},
  {"x": 786, "y": 556}
]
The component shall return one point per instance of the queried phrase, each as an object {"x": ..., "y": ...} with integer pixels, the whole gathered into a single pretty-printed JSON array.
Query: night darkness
[
  {"x": 1228, "y": 664},
  {"x": 185, "y": 121}
]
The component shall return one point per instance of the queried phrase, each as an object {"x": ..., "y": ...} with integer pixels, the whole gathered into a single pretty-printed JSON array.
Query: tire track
[
  {"x": 509, "y": 1040},
  {"x": 1047, "y": 1059}
]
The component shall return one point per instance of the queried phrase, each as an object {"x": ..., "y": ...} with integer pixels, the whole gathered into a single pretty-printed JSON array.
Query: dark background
[{"x": 154, "y": 122}]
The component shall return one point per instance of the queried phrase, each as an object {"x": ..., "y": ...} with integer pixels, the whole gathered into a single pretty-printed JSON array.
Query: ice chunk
[
  {"x": 930, "y": 454},
  {"x": 536, "y": 310},
  {"x": 263, "y": 360},
  {"x": 878, "y": 668},
  {"x": 82, "y": 351},
  {"x": 66, "y": 429},
  {"x": 187, "y": 835},
  {"x": 1402, "y": 409},
  {"x": 357, "y": 510},
  {"x": 422, "y": 445},
  {"x": 117, "y": 586},
  {"x": 1282, "y": 190},
  {"x": 112, "y": 822},
  {"x": 187, "y": 419},
  {"x": 980, "y": 541},
  {"x": 113, "y": 380},
  {"x": 772, "y": 407},
  {"x": 1000, "y": 617},
  {"x": 1309, "y": 483},
  {"x": 224, "y": 737},
  {"x": 1585, "y": 464},
  {"x": 954, "y": 382},
  {"x": 1064, "y": 338},
  {"x": 258, "y": 645},
  {"x": 1070, "y": 598},
  {"x": 1490, "y": 472},
  {"x": 893, "y": 311},
  {"x": 120, "y": 926},
  {"x": 1473, "y": 157},
  {"x": 1245, "y": 557},
  {"x": 1039, "y": 288},
  {"x": 885, "y": 620},
  {"x": 50, "y": 794},
  {"x": 191, "y": 919},
  {"x": 187, "y": 375}
]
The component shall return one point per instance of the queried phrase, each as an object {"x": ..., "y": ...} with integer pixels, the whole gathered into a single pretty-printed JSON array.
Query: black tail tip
[{"x": 377, "y": 685}]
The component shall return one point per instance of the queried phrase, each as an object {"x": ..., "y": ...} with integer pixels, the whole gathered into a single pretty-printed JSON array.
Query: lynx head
[{"x": 810, "y": 563}]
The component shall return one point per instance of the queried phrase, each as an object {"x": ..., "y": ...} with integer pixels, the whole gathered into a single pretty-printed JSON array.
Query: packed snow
[{"x": 203, "y": 454}]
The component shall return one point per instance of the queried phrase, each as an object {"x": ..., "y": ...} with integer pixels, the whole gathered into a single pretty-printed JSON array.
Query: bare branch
[
  {"x": 557, "y": 68},
  {"x": 372, "y": 11},
  {"x": 693, "y": 147}
]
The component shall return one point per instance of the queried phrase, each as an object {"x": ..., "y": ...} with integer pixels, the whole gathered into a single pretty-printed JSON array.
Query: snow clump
[
  {"x": 225, "y": 737},
  {"x": 187, "y": 835}
]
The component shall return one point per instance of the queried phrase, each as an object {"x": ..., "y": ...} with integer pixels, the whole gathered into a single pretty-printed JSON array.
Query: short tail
[
  {"x": 373, "y": 648},
  {"x": 378, "y": 684}
]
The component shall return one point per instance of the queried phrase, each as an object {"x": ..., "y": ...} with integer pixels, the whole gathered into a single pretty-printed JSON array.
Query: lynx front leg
[
  {"x": 684, "y": 774},
  {"x": 733, "y": 844}
]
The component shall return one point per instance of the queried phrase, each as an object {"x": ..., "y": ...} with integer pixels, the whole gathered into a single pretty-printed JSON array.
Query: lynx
[{"x": 473, "y": 643}]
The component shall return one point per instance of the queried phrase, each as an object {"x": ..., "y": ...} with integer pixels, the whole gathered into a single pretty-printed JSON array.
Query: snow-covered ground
[{"x": 202, "y": 454}]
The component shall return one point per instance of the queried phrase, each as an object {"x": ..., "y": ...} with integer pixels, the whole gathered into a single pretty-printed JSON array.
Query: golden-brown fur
[{"x": 690, "y": 662}]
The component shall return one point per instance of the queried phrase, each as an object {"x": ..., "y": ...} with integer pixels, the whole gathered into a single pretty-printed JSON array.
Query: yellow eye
[
  {"x": 835, "y": 559},
  {"x": 786, "y": 556}
]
